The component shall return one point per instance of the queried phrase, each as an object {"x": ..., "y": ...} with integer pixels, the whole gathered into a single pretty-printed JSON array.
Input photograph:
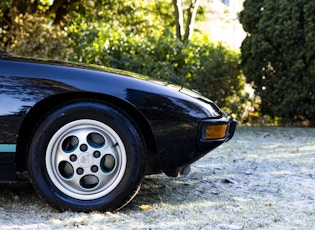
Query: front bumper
[
  {"x": 178, "y": 163},
  {"x": 213, "y": 132}
]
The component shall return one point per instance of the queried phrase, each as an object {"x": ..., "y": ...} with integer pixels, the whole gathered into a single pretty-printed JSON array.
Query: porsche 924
[{"x": 86, "y": 136}]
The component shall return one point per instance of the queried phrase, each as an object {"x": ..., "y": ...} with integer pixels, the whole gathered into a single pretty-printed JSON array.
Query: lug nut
[
  {"x": 97, "y": 154},
  {"x": 80, "y": 171},
  {"x": 83, "y": 147},
  {"x": 73, "y": 158},
  {"x": 94, "y": 168}
]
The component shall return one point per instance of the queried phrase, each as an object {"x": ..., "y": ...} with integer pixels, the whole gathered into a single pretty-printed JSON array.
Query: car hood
[{"x": 191, "y": 93}]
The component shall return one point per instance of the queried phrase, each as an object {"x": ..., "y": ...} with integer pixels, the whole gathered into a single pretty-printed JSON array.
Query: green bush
[
  {"x": 136, "y": 43},
  {"x": 31, "y": 35},
  {"x": 278, "y": 57},
  {"x": 209, "y": 68}
]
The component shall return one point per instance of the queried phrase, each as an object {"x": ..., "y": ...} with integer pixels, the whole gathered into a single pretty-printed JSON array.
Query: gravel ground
[{"x": 264, "y": 178}]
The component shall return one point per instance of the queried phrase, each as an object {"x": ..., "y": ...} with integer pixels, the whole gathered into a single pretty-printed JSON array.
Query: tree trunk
[
  {"x": 25, "y": 6},
  {"x": 20, "y": 6},
  {"x": 191, "y": 17},
  {"x": 61, "y": 9},
  {"x": 179, "y": 19}
]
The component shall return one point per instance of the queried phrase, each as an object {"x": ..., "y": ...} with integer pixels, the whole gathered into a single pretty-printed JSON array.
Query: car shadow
[{"x": 156, "y": 190}]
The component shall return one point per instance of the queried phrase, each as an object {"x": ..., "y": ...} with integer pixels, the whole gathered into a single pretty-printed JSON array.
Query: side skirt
[{"x": 7, "y": 163}]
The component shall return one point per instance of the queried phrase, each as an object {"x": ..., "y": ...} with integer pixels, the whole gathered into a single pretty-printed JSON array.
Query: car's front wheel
[{"x": 87, "y": 156}]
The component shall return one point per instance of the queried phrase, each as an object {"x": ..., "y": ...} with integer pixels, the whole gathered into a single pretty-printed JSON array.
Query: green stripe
[{"x": 7, "y": 148}]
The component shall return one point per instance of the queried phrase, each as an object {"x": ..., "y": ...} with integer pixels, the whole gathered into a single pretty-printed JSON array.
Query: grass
[{"x": 264, "y": 178}]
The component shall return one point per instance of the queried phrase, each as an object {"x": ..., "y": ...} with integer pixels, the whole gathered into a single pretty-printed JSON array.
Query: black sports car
[{"x": 86, "y": 136}]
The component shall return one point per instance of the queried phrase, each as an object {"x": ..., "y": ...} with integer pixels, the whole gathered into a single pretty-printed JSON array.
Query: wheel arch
[{"x": 44, "y": 106}]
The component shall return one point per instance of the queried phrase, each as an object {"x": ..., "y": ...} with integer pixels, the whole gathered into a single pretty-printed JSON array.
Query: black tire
[{"x": 87, "y": 156}]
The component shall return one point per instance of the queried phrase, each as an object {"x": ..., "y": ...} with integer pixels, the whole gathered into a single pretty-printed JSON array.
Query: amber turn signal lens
[{"x": 214, "y": 131}]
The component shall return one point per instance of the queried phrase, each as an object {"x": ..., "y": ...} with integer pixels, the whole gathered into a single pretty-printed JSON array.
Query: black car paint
[{"x": 172, "y": 116}]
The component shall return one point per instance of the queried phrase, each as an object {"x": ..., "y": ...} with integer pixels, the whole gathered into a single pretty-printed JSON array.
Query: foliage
[
  {"x": 138, "y": 36},
  {"x": 214, "y": 71},
  {"x": 278, "y": 57},
  {"x": 30, "y": 35},
  {"x": 138, "y": 17},
  {"x": 198, "y": 64}
]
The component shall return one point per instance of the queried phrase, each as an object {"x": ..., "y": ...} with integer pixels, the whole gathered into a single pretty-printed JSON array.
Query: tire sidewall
[{"x": 120, "y": 123}]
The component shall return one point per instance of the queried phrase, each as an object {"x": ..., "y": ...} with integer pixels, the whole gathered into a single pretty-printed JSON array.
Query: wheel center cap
[{"x": 86, "y": 160}]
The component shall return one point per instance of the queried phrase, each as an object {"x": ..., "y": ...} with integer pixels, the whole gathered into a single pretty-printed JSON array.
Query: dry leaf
[{"x": 144, "y": 207}]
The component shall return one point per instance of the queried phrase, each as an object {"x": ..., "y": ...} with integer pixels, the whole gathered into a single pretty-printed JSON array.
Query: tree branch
[
  {"x": 179, "y": 19},
  {"x": 191, "y": 17}
]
